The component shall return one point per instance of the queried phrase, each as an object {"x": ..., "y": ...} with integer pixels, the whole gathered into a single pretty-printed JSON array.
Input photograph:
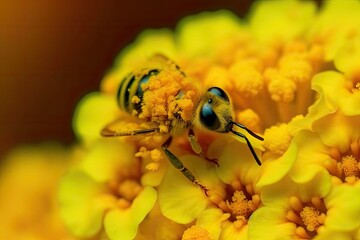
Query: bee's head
[
  {"x": 215, "y": 114},
  {"x": 215, "y": 110}
]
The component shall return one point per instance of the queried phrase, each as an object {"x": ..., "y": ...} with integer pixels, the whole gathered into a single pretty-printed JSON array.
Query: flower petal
[
  {"x": 275, "y": 170},
  {"x": 269, "y": 23},
  {"x": 337, "y": 21},
  {"x": 199, "y": 33},
  {"x": 343, "y": 208},
  {"x": 211, "y": 219},
  {"x": 179, "y": 199},
  {"x": 82, "y": 205},
  {"x": 235, "y": 161},
  {"x": 231, "y": 232},
  {"x": 107, "y": 158},
  {"x": 93, "y": 113},
  {"x": 123, "y": 224},
  {"x": 338, "y": 130},
  {"x": 346, "y": 59},
  {"x": 268, "y": 223},
  {"x": 325, "y": 235}
]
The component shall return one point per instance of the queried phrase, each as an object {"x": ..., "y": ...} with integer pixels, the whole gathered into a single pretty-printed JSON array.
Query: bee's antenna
[
  {"x": 249, "y": 131},
  {"x": 247, "y": 140}
]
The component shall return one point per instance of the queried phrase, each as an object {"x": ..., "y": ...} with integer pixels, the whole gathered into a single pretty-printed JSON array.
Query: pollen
[
  {"x": 196, "y": 232},
  {"x": 135, "y": 100},
  {"x": 282, "y": 89},
  {"x": 298, "y": 70},
  {"x": 277, "y": 139},
  {"x": 250, "y": 119},
  {"x": 240, "y": 206},
  {"x": 357, "y": 86},
  {"x": 349, "y": 166},
  {"x": 161, "y": 100},
  {"x": 218, "y": 76},
  {"x": 249, "y": 81},
  {"x": 152, "y": 167},
  {"x": 311, "y": 218},
  {"x": 344, "y": 166},
  {"x": 164, "y": 129},
  {"x": 156, "y": 155}
]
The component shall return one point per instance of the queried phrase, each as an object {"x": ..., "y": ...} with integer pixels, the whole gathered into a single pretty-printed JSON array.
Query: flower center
[
  {"x": 345, "y": 167},
  {"x": 196, "y": 232},
  {"x": 311, "y": 218},
  {"x": 125, "y": 191},
  {"x": 349, "y": 166},
  {"x": 308, "y": 217},
  {"x": 243, "y": 201}
]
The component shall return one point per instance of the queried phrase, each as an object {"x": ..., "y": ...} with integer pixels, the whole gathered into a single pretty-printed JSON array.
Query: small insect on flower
[{"x": 160, "y": 94}]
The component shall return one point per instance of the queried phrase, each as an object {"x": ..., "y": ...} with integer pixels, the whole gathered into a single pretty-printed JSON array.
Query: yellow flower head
[
  {"x": 29, "y": 178},
  {"x": 291, "y": 73},
  {"x": 104, "y": 194}
]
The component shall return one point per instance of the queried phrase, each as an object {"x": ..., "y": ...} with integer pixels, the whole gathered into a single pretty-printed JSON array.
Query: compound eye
[
  {"x": 219, "y": 92},
  {"x": 209, "y": 118}
]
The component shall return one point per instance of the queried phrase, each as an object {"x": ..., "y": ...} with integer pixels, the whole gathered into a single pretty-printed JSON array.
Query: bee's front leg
[{"x": 179, "y": 165}]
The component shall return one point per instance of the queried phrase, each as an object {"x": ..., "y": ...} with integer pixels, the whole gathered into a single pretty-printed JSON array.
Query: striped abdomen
[{"x": 132, "y": 86}]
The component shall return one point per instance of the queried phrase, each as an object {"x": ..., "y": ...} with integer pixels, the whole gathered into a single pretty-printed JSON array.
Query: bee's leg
[
  {"x": 197, "y": 148},
  {"x": 105, "y": 132},
  {"x": 179, "y": 165}
]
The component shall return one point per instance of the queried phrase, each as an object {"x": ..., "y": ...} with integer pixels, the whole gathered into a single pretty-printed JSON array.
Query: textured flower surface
[
  {"x": 29, "y": 179},
  {"x": 291, "y": 70}
]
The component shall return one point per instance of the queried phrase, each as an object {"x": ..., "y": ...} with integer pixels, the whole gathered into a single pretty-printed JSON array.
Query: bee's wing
[{"x": 127, "y": 127}]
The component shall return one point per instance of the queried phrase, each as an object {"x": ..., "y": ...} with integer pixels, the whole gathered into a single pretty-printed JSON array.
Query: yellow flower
[
  {"x": 29, "y": 178},
  {"x": 292, "y": 74},
  {"x": 336, "y": 24},
  {"x": 333, "y": 146},
  {"x": 307, "y": 211},
  {"x": 105, "y": 193}
]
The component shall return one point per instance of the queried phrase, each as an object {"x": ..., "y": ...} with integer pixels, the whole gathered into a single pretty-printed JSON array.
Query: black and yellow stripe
[{"x": 132, "y": 86}]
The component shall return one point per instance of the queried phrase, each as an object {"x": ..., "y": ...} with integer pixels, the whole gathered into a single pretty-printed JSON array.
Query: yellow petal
[
  {"x": 29, "y": 179},
  {"x": 211, "y": 219},
  {"x": 108, "y": 158},
  {"x": 326, "y": 235},
  {"x": 123, "y": 224},
  {"x": 337, "y": 130},
  {"x": 280, "y": 21},
  {"x": 199, "y": 33},
  {"x": 310, "y": 156},
  {"x": 274, "y": 170},
  {"x": 336, "y": 23},
  {"x": 147, "y": 43},
  {"x": 338, "y": 92},
  {"x": 346, "y": 59},
  {"x": 343, "y": 208},
  {"x": 179, "y": 199},
  {"x": 269, "y": 223},
  {"x": 81, "y": 203},
  {"x": 93, "y": 113},
  {"x": 235, "y": 161},
  {"x": 331, "y": 87},
  {"x": 231, "y": 232}
]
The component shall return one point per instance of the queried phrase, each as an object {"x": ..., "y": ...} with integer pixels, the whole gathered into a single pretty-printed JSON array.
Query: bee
[{"x": 160, "y": 93}]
